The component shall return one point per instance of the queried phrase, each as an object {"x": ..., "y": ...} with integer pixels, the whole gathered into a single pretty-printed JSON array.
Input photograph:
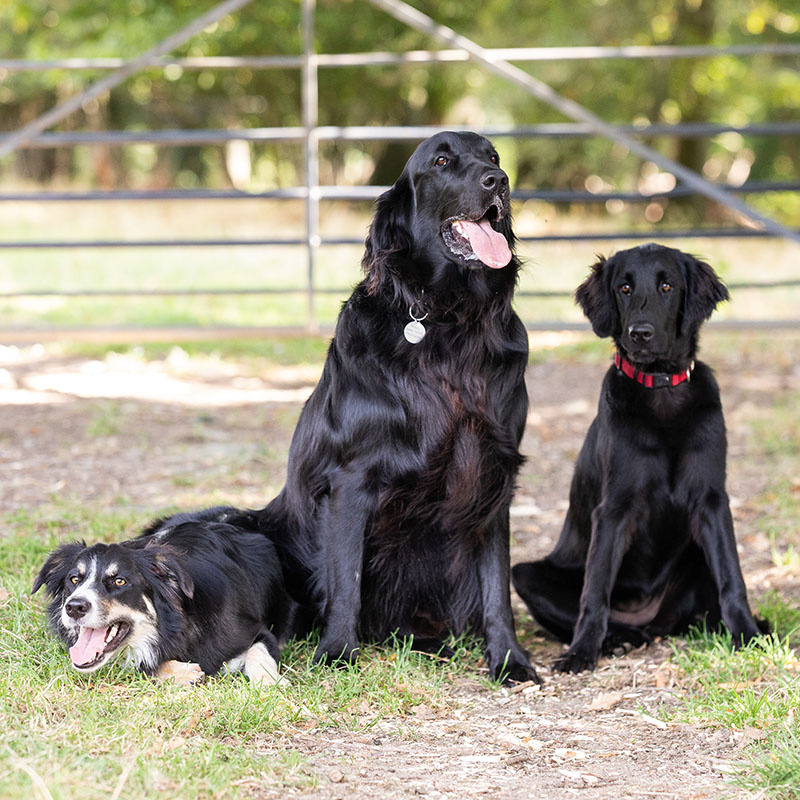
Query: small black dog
[
  {"x": 394, "y": 517},
  {"x": 647, "y": 547},
  {"x": 194, "y": 593}
]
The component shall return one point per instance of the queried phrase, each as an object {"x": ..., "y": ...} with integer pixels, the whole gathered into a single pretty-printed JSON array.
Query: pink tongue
[
  {"x": 490, "y": 246},
  {"x": 91, "y": 642}
]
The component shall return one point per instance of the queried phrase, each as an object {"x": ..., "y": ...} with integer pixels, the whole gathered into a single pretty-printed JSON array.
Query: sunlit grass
[
  {"x": 68, "y": 735},
  {"x": 754, "y": 690}
]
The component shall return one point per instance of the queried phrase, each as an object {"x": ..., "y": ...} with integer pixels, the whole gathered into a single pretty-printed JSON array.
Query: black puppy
[
  {"x": 647, "y": 546},
  {"x": 194, "y": 593},
  {"x": 394, "y": 517}
]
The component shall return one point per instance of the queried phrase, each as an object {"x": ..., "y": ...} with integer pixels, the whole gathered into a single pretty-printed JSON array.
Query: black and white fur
[{"x": 196, "y": 593}]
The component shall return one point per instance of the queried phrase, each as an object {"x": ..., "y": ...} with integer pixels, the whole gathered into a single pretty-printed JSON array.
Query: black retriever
[
  {"x": 394, "y": 516},
  {"x": 647, "y": 547}
]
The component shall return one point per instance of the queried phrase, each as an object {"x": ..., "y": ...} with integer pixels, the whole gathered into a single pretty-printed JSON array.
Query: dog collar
[{"x": 652, "y": 380}]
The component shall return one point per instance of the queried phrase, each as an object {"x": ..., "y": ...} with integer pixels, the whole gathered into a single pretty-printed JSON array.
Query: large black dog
[
  {"x": 647, "y": 547},
  {"x": 195, "y": 593},
  {"x": 394, "y": 517}
]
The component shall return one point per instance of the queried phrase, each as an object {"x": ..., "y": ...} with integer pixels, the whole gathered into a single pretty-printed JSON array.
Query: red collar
[{"x": 652, "y": 380}]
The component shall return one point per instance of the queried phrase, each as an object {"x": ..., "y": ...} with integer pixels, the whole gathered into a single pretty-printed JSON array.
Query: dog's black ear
[
  {"x": 702, "y": 293},
  {"x": 55, "y": 569},
  {"x": 164, "y": 564},
  {"x": 391, "y": 230},
  {"x": 596, "y": 298}
]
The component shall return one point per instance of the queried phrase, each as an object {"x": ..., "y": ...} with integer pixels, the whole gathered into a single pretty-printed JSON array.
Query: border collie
[{"x": 194, "y": 594}]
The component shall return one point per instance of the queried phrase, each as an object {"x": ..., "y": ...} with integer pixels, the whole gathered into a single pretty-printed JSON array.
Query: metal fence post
[{"x": 310, "y": 125}]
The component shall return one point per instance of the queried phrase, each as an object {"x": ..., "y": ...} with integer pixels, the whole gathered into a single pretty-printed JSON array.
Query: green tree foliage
[{"x": 722, "y": 89}]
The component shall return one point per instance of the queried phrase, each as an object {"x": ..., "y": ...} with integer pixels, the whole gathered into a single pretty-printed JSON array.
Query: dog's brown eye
[
  {"x": 666, "y": 287},
  {"x": 73, "y": 579},
  {"x": 495, "y": 158},
  {"x": 625, "y": 288},
  {"x": 441, "y": 161},
  {"x": 119, "y": 581}
]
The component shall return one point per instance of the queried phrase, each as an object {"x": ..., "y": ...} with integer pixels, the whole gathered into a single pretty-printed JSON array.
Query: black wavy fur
[{"x": 394, "y": 516}]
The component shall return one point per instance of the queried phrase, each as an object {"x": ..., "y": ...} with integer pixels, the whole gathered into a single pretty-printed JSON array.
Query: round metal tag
[{"x": 414, "y": 332}]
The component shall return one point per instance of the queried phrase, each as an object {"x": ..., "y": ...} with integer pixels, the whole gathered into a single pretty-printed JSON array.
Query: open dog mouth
[
  {"x": 476, "y": 239},
  {"x": 95, "y": 645}
]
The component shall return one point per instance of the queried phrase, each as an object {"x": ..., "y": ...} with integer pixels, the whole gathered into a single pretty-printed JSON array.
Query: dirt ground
[{"x": 127, "y": 434}]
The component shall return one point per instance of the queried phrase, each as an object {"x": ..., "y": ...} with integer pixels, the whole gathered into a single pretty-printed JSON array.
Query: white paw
[{"x": 260, "y": 667}]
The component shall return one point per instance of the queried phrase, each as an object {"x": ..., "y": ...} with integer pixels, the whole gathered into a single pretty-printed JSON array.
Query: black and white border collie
[{"x": 194, "y": 594}]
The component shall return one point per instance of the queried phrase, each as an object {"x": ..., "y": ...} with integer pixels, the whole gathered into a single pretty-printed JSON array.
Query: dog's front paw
[
  {"x": 260, "y": 667},
  {"x": 511, "y": 668},
  {"x": 336, "y": 653},
  {"x": 184, "y": 673},
  {"x": 749, "y": 632},
  {"x": 576, "y": 660}
]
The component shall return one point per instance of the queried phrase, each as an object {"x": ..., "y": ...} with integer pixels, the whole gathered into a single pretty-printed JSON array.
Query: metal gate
[{"x": 311, "y": 135}]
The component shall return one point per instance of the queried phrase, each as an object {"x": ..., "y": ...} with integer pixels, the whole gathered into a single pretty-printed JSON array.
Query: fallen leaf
[
  {"x": 666, "y": 676},
  {"x": 605, "y": 700},
  {"x": 175, "y": 743},
  {"x": 584, "y": 777},
  {"x": 750, "y": 734},
  {"x": 738, "y": 686},
  {"x": 653, "y": 721},
  {"x": 567, "y": 754}
]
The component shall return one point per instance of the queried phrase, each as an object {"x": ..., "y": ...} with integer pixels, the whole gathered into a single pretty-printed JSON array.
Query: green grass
[
  {"x": 754, "y": 690},
  {"x": 775, "y": 768},
  {"x": 67, "y": 735},
  {"x": 757, "y": 688}
]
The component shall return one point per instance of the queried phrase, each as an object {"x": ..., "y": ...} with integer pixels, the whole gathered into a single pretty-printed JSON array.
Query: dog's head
[
  {"x": 450, "y": 206},
  {"x": 651, "y": 300},
  {"x": 105, "y": 599}
]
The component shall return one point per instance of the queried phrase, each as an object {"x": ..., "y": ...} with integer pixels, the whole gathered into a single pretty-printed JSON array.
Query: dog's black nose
[
  {"x": 77, "y": 608},
  {"x": 642, "y": 332},
  {"x": 495, "y": 179}
]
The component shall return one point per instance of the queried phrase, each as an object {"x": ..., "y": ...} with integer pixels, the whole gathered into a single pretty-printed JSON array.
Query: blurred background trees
[{"x": 723, "y": 89}]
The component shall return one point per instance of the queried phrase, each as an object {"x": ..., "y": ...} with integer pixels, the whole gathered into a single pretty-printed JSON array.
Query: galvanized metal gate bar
[
  {"x": 374, "y": 133},
  {"x": 376, "y": 58},
  {"x": 310, "y": 125}
]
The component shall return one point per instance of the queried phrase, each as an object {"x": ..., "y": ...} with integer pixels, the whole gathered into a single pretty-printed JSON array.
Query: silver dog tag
[{"x": 414, "y": 332}]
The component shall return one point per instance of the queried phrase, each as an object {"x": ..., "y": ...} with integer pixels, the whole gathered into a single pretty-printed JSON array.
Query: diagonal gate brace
[
  {"x": 147, "y": 59},
  {"x": 416, "y": 19}
]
